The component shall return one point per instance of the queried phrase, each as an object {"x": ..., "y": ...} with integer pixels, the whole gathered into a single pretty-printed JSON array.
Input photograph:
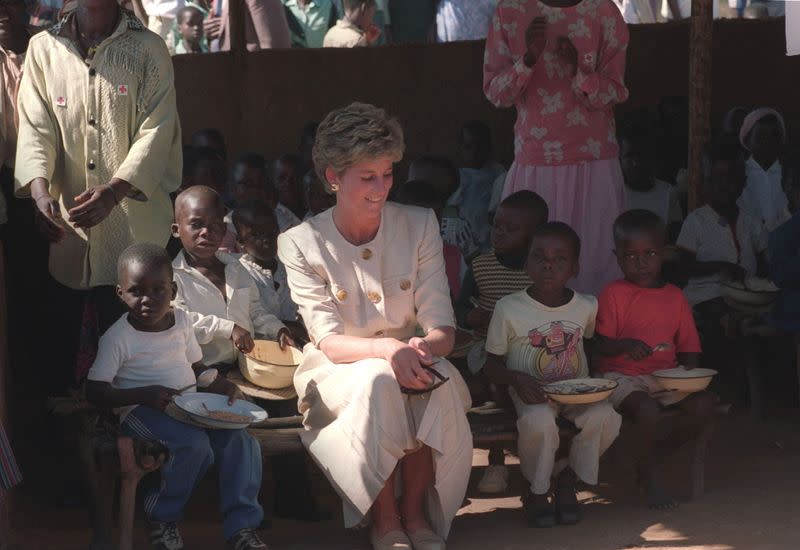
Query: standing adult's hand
[
  {"x": 96, "y": 203},
  {"x": 48, "y": 213},
  {"x": 212, "y": 27}
]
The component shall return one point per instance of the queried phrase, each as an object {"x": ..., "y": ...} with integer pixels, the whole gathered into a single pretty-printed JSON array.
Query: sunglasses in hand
[{"x": 436, "y": 375}]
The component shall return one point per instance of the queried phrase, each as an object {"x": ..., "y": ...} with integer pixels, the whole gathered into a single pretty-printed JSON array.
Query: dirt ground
[{"x": 752, "y": 483}]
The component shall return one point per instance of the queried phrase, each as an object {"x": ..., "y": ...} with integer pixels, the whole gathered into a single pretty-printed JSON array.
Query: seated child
[
  {"x": 422, "y": 193},
  {"x": 203, "y": 166},
  {"x": 189, "y": 22},
  {"x": 257, "y": 234},
  {"x": 721, "y": 242},
  {"x": 536, "y": 337},
  {"x": 210, "y": 137},
  {"x": 223, "y": 299},
  {"x": 645, "y": 325},
  {"x": 287, "y": 177},
  {"x": 491, "y": 277},
  {"x": 146, "y": 358},
  {"x": 440, "y": 172},
  {"x": 250, "y": 183},
  {"x": 305, "y": 147},
  {"x": 763, "y": 134},
  {"x": 356, "y": 29},
  {"x": 318, "y": 199},
  {"x": 479, "y": 178},
  {"x": 643, "y": 190}
]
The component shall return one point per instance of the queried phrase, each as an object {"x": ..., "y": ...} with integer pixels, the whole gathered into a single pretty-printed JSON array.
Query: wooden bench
[{"x": 108, "y": 459}]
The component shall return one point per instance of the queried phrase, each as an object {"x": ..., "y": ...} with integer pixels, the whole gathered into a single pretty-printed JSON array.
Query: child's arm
[
  {"x": 630, "y": 347},
  {"x": 467, "y": 314},
  {"x": 266, "y": 323},
  {"x": 104, "y": 396},
  {"x": 693, "y": 268},
  {"x": 526, "y": 386}
]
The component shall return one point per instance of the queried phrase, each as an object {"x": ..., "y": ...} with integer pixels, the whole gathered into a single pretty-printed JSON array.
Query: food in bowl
[
  {"x": 685, "y": 380},
  {"x": 579, "y": 391}
]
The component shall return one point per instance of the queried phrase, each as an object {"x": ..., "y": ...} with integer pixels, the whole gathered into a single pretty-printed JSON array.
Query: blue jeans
[{"x": 191, "y": 451}]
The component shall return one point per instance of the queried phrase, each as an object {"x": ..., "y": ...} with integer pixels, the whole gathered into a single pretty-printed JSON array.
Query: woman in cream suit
[{"x": 365, "y": 275}]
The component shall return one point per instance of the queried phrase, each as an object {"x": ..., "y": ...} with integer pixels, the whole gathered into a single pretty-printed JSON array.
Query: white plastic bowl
[
  {"x": 579, "y": 391},
  {"x": 268, "y": 366},
  {"x": 681, "y": 379},
  {"x": 193, "y": 403}
]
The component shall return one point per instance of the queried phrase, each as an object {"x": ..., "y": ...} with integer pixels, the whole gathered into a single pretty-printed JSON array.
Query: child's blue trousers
[{"x": 191, "y": 451}]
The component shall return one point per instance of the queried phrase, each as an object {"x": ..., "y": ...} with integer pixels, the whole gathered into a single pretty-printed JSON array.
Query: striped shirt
[{"x": 495, "y": 281}]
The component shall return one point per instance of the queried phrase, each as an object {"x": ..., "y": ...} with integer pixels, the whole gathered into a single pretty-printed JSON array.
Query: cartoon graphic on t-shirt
[{"x": 556, "y": 355}]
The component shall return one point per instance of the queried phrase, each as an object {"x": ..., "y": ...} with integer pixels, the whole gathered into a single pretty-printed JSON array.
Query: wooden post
[
  {"x": 700, "y": 46},
  {"x": 236, "y": 27}
]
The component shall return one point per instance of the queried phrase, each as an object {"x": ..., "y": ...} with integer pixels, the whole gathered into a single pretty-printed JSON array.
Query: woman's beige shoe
[
  {"x": 393, "y": 540},
  {"x": 425, "y": 539}
]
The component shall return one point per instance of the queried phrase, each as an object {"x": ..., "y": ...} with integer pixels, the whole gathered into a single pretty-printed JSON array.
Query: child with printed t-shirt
[
  {"x": 536, "y": 337},
  {"x": 645, "y": 325}
]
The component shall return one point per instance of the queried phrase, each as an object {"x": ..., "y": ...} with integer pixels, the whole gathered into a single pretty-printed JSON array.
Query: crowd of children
[{"x": 510, "y": 269}]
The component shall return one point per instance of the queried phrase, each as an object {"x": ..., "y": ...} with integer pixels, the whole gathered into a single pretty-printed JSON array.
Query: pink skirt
[{"x": 587, "y": 196}]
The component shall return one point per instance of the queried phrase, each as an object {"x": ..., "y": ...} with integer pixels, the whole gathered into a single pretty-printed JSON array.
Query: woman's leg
[
  {"x": 417, "y": 479},
  {"x": 385, "y": 514}
]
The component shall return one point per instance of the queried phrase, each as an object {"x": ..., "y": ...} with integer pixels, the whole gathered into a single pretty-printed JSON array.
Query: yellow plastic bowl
[
  {"x": 268, "y": 366},
  {"x": 689, "y": 381},
  {"x": 580, "y": 391}
]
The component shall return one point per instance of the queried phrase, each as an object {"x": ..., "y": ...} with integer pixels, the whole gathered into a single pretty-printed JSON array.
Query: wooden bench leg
[{"x": 134, "y": 464}]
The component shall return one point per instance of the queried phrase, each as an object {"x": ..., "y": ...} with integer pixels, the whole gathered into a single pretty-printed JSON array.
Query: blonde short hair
[{"x": 354, "y": 133}]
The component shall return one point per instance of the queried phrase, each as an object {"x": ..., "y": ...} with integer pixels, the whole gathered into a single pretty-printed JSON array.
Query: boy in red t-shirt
[{"x": 644, "y": 325}]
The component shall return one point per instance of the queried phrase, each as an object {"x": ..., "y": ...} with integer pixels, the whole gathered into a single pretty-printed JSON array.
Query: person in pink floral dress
[{"x": 562, "y": 65}]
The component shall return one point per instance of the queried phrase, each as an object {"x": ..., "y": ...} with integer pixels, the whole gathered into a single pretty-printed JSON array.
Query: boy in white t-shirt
[
  {"x": 146, "y": 358},
  {"x": 536, "y": 337},
  {"x": 720, "y": 241}
]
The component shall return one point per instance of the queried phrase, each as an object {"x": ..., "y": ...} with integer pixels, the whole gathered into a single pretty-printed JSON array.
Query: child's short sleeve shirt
[
  {"x": 652, "y": 315},
  {"x": 545, "y": 342},
  {"x": 128, "y": 358}
]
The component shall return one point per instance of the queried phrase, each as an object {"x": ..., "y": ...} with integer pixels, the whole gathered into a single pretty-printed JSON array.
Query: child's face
[
  {"x": 727, "y": 182},
  {"x": 317, "y": 198},
  {"x": 191, "y": 26},
  {"x": 147, "y": 293},
  {"x": 260, "y": 238},
  {"x": 250, "y": 184},
  {"x": 200, "y": 226},
  {"x": 441, "y": 180},
  {"x": 766, "y": 139},
  {"x": 552, "y": 262},
  {"x": 640, "y": 256},
  {"x": 472, "y": 150},
  {"x": 288, "y": 184},
  {"x": 512, "y": 230},
  {"x": 637, "y": 166}
]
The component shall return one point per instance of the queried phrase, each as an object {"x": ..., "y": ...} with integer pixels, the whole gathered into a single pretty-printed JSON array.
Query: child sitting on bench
[{"x": 146, "y": 358}]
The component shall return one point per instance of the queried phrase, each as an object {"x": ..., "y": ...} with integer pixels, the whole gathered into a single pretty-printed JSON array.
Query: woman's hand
[
  {"x": 406, "y": 363},
  {"x": 94, "y": 206},
  {"x": 212, "y": 28},
  {"x": 535, "y": 40},
  {"x": 426, "y": 356},
  {"x": 48, "y": 218}
]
